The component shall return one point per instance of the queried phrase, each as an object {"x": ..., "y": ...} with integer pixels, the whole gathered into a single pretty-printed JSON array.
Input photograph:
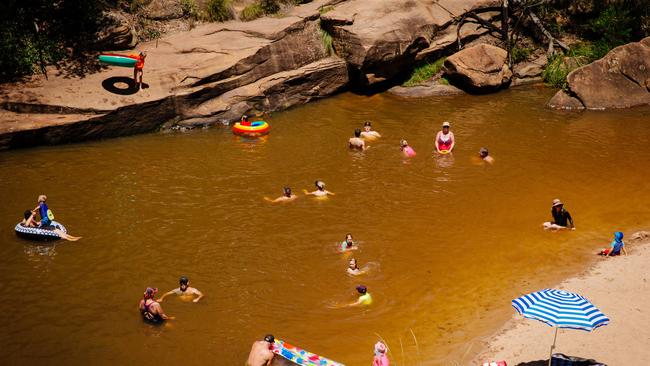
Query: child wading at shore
[{"x": 617, "y": 246}]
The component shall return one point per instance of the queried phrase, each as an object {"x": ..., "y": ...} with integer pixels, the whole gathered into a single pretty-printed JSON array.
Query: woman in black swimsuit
[{"x": 151, "y": 311}]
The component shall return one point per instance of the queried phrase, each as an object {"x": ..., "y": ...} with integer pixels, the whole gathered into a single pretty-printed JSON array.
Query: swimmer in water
[
  {"x": 380, "y": 358},
  {"x": 406, "y": 149},
  {"x": 368, "y": 133},
  {"x": 151, "y": 311},
  {"x": 286, "y": 196},
  {"x": 348, "y": 243},
  {"x": 364, "y": 297},
  {"x": 561, "y": 217},
  {"x": 184, "y": 290},
  {"x": 320, "y": 190},
  {"x": 261, "y": 354},
  {"x": 485, "y": 155},
  {"x": 244, "y": 121},
  {"x": 445, "y": 139},
  {"x": 353, "y": 268},
  {"x": 356, "y": 142}
]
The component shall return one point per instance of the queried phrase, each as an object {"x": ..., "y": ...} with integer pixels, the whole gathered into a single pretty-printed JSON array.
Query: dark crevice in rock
[{"x": 20, "y": 107}]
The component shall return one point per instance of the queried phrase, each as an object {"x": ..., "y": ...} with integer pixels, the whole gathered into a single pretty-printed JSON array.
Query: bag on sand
[{"x": 559, "y": 359}]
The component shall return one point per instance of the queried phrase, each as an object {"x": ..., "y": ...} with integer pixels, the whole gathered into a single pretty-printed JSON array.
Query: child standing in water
[{"x": 406, "y": 149}]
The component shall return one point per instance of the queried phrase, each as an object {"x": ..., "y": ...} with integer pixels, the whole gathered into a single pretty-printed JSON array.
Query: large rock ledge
[{"x": 621, "y": 79}]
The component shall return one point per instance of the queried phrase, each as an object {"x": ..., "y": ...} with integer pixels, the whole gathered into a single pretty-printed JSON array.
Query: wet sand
[{"x": 619, "y": 288}]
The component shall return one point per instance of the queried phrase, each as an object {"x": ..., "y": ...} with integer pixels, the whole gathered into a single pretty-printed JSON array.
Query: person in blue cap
[{"x": 617, "y": 246}]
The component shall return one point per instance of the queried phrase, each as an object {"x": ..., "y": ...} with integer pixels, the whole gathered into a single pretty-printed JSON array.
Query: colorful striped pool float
[{"x": 300, "y": 356}]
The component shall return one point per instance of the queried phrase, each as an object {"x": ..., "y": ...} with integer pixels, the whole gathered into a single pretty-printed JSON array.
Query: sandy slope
[{"x": 619, "y": 288}]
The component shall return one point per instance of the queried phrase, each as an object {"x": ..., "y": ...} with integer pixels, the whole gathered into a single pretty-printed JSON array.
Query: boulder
[
  {"x": 530, "y": 69},
  {"x": 621, "y": 79},
  {"x": 562, "y": 100},
  {"x": 379, "y": 39},
  {"x": 430, "y": 89},
  {"x": 480, "y": 68},
  {"x": 163, "y": 10},
  {"x": 115, "y": 32}
]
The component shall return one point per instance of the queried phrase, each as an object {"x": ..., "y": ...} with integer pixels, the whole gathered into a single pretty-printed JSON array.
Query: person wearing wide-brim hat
[
  {"x": 445, "y": 139},
  {"x": 561, "y": 217}
]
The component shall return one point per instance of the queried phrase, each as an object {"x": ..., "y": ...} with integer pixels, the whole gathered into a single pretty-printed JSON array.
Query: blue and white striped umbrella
[{"x": 560, "y": 309}]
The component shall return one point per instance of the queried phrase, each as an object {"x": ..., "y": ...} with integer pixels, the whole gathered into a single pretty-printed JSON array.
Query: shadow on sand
[{"x": 121, "y": 85}]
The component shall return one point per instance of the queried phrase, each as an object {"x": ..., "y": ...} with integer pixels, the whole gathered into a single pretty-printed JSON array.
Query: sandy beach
[{"x": 618, "y": 287}]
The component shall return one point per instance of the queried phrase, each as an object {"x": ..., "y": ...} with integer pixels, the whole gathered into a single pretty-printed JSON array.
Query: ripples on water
[{"x": 452, "y": 241}]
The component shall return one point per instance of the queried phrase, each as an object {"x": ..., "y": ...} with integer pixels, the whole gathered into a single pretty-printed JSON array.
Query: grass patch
[
  {"x": 325, "y": 9},
  {"x": 327, "y": 41},
  {"x": 190, "y": 9},
  {"x": 520, "y": 54},
  {"x": 252, "y": 11},
  {"x": 219, "y": 10},
  {"x": 580, "y": 54},
  {"x": 425, "y": 72}
]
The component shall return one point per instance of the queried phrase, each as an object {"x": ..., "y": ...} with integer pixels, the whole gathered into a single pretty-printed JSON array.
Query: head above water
[
  {"x": 367, "y": 126},
  {"x": 353, "y": 263},
  {"x": 362, "y": 289},
  {"x": 348, "y": 238},
  {"x": 287, "y": 191},
  {"x": 380, "y": 347},
  {"x": 403, "y": 143},
  {"x": 320, "y": 185},
  {"x": 557, "y": 203},
  {"x": 357, "y": 133},
  {"x": 269, "y": 338},
  {"x": 42, "y": 198},
  {"x": 150, "y": 292},
  {"x": 446, "y": 124},
  {"x": 184, "y": 281},
  {"x": 483, "y": 152}
]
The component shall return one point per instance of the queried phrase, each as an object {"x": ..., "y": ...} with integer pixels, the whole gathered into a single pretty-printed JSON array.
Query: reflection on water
[
  {"x": 453, "y": 242},
  {"x": 40, "y": 256}
]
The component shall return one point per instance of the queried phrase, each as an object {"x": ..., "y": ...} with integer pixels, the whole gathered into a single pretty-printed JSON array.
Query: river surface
[{"x": 450, "y": 242}]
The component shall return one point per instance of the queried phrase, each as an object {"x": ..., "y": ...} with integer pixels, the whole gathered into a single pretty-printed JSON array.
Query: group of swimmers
[
  {"x": 150, "y": 308},
  {"x": 444, "y": 142}
]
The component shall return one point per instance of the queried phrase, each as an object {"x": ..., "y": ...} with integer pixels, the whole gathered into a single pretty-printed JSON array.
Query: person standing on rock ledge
[{"x": 138, "y": 68}]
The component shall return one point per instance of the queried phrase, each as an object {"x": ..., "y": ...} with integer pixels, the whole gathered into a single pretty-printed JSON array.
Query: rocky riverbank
[{"x": 216, "y": 72}]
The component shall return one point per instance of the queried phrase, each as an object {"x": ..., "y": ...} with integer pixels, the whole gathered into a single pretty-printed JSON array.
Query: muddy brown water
[{"x": 452, "y": 242}]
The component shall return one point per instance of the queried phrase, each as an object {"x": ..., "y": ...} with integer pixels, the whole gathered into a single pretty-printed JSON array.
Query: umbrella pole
[{"x": 552, "y": 347}]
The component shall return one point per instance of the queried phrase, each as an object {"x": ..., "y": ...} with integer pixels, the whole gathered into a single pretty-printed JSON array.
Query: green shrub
[
  {"x": 190, "y": 9},
  {"x": 425, "y": 72},
  {"x": 219, "y": 10},
  {"x": 444, "y": 81},
  {"x": 520, "y": 54},
  {"x": 252, "y": 11},
  {"x": 612, "y": 27},
  {"x": 327, "y": 41},
  {"x": 269, "y": 6},
  {"x": 325, "y": 9},
  {"x": 556, "y": 72}
]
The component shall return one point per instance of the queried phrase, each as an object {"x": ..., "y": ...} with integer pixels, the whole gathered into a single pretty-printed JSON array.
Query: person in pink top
[
  {"x": 380, "y": 355},
  {"x": 406, "y": 149}
]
